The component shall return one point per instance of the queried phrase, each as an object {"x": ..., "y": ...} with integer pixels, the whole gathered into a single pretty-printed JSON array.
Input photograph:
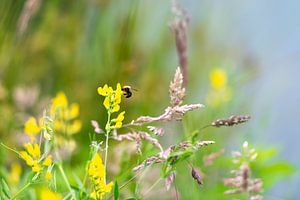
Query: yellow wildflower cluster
[
  {"x": 220, "y": 92},
  {"x": 96, "y": 172},
  {"x": 46, "y": 194},
  {"x": 65, "y": 115},
  {"x": 112, "y": 104},
  {"x": 32, "y": 156}
]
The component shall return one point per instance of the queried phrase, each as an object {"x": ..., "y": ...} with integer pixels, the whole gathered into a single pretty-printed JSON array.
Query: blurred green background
[{"x": 77, "y": 46}]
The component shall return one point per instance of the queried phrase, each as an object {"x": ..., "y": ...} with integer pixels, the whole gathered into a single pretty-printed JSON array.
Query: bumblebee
[{"x": 127, "y": 91}]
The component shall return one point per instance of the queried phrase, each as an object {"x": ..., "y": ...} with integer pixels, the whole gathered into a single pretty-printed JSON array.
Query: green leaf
[
  {"x": 116, "y": 191},
  {"x": 5, "y": 188}
]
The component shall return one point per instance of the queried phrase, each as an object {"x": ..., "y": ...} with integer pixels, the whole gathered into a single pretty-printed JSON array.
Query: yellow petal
[
  {"x": 31, "y": 127},
  {"x": 36, "y": 167},
  {"x": 116, "y": 108},
  {"x": 106, "y": 102},
  {"x": 24, "y": 155}
]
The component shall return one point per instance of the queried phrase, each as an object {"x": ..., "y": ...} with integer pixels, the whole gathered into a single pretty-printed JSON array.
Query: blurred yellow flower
[
  {"x": 15, "y": 173},
  {"x": 96, "y": 171},
  {"x": 48, "y": 175},
  {"x": 46, "y": 194},
  {"x": 218, "y": 78},
  {"x": 31, "y": 127},
  {"x": 64, "y": 115},
  {"x": 48, "y": 161},
  {"x": 219, "y": 92}
]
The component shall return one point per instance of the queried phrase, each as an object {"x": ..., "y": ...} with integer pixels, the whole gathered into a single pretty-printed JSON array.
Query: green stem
[
  {"x": 21, "y": 190},
  {"x": 106, "y": 143},
  {"x": 11, "y": 149},
  {"x": 66, "y": 180}
]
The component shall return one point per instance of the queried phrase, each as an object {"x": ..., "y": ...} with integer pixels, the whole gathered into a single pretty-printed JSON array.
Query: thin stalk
[
  {"x": 11, "y": 149},
  {"x": 154, "y": 184},
  {"x": 66, "y": 180},
  {"x": 106, "y": 142},
  {"x": 21, "y": 190}
]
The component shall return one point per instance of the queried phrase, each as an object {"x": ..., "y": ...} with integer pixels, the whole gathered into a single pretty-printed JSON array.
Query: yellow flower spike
[
  {"x": 46, "y": 194},
  {"x": 24, "y": 155},
  {"x": 96, "y": 171},
  {"x": 48, "y": 161},
  {"x": 48, "y": 175},
  {"x": 218, "y": 78},
  {"x": 31, "y": 127}
]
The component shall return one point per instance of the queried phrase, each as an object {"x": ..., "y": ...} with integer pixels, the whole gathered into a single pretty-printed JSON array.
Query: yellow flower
[
  {"x": 46, "y": 194},
  {"x": 96, "y": 171},
  {"x": 64, "y": 115},
  {"x": 112, "y": 97},
  {"x": 60, "y": 100},
  {"x": 105, "y": 91},
  {"x": 119, "y": 120},
  {"x": 15, "y": 173},
  {"x": 218, "y": 78},
  {"x": 48, "y": 175},
  {"x": 31, "y": 127},
  {"x": 32, "y": 157},
  {"x": 48, "y": 161}
]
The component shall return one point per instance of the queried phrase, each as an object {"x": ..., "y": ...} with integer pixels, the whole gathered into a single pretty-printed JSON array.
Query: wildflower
[
  {"x": 46, "y": 194},
  {"x": 96, "y": 171},
  {"x": 15, "y": 173},
  {"x": 32, "y": 157},
  {"x": 48, "y": 175},
  {"x": 32, "y": 127},
  {"x": 218, "y": 78},
  {"x": 64, "y": 115},
  {"x": 48, "y": 161},
  {"x": 220, "y": 92},
  {"x": 64, "y": 122},
  {"x": 112, "y": 97},
  {"x": 119, "y": 120}
]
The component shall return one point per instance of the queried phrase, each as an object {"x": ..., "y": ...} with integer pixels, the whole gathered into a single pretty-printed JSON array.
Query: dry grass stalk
[
  {"x": 209, "y": 159},
  {"x": 176, "y": 89},
  {"x": 30, "y": 8},
  {"x": 242, "y": 180},
  {"x": 232, "y": 120},
  {"x": 170, "y": 180},
  {"x": 157, "y": 131},
  {"x": 179, "y": 28},
  {"x": 196, "y": 174}
]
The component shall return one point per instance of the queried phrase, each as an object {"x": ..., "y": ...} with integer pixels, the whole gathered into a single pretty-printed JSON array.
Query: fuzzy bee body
[{"x": 127, "y": 91}]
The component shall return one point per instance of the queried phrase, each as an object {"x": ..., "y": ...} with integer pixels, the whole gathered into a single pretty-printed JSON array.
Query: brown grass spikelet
[
  {"x": 232, "y": 120},
  {"x": 176, "y": 89},
  {"x": 196, "y": 174}
]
